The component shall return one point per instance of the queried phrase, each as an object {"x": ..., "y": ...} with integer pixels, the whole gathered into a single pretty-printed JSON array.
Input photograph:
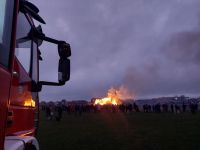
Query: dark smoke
[
  {"x": 175, "y": 72},
  {"x": 184, "y": 48}
]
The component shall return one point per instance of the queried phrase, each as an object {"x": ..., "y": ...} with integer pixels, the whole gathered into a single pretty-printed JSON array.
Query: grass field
[{"x": 118, "y": 131}]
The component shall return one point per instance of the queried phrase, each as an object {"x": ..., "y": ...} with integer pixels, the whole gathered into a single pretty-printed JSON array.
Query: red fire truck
[{"x": 19, "y": 73}]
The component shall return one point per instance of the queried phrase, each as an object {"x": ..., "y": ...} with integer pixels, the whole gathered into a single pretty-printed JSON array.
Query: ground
[{"x": 119, "y": 131}]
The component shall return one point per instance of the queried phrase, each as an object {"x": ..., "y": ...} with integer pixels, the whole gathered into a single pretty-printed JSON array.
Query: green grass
[{"x": 118, "y": 131}]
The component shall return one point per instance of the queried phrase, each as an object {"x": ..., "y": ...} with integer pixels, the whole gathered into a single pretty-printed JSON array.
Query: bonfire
[{"x": 114, "y": 97}]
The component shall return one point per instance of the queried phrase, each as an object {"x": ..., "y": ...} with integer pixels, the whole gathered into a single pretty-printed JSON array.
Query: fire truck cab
[{"x": 19, "y": 73}]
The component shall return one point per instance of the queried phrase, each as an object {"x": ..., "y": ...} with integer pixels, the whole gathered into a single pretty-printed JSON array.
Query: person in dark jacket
[{"x": 59, "y": 113}]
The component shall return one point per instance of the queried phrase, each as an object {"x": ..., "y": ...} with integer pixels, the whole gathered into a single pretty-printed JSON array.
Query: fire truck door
[
  {"x": 5, "y": 79},
  {"x": 21, "y": 102},
  {"x": 6, "y": 12}
]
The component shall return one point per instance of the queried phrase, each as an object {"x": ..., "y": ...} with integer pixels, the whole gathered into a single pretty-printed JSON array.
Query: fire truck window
[
  {"x": 23, "y": 55},
  {"x": 6, "y": 12},
  {"x": 35, "y": 63},
  {"x": 23, "y": 43},
  {"x": 2, "y": 16}
]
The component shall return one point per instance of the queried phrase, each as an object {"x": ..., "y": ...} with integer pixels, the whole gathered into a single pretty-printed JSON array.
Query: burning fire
[
  {"x": 114, "y": 97},
  {"x": 107, "y": 101},
  {"x": 29, "y": 103}
]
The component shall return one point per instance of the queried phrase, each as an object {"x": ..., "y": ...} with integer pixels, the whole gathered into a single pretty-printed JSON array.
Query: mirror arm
[
  {"x": 37, "y": 33},
  {"x": 38, "y": 87},
  {"x": 51, "y": 40},
  {"x": 51, "y": 83}
]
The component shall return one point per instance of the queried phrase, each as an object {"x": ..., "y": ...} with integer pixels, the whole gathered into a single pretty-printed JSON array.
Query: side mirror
[
  {"x": 64, "y": 50},
  {"x": 63, "y": 76},
  {"x": 63, "y": 70}
]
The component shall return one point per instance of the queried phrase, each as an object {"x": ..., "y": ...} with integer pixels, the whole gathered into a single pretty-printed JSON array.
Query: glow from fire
[
  {"x": 114, "y": 97},
  {"x": 107, "y": 101},
  {"x": 29, "y": 103}
]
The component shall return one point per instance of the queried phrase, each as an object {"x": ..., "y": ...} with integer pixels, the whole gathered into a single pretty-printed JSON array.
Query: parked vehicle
[{"x": 19, "y": 73}]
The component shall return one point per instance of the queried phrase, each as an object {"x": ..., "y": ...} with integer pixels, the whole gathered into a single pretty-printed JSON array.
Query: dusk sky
[{"x": 152, "y": 47}]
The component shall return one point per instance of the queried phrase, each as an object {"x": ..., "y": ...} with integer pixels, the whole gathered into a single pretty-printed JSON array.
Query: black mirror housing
[
  {"x": 31, "y": 9},
  {"x": 63, "y": 70},
  {"x": 64, "y": 50}
]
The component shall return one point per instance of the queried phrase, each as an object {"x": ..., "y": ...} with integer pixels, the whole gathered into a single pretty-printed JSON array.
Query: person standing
[{"x": 59, "y": 113}]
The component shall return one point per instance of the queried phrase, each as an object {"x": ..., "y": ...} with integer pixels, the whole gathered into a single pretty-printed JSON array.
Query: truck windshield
[
  {"x": 2, "y": 16},
  {"x": 6, "y": 16}
]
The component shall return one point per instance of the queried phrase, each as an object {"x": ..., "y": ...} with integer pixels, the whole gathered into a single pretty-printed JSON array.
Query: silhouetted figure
[
  {"x": 193, "y": 108},
  {"x": 157, "y": 108},
  {"x": 113, "y": 108},
  {"x": 68, "y": 108},
  {"x": 130, "y": 107},
  {"x": 76, "y": 108},
  {"x": 59, "y": 113},
  {"x": 145, "y": 108},
  {"x": 43, "y": 107},
  {"x": 172, "y": 108},
  {"x": 48, "y": 112},
  {"x": 149, "y": 108},
  {"x": 165, "y": 107},
  {"x": 136, "y": 108},
  {"x": 153, "y": 108},
  {"x": 184, "y": 107},
  {"x": 122, "y": 108},
  {"x": 177, "y": 109},
  {"x": 52, "y": 113},
  {"x": 80, "y": 109}
]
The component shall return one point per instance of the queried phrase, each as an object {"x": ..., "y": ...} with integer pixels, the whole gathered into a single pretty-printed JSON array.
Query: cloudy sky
[{"x": 152, "y": 47}]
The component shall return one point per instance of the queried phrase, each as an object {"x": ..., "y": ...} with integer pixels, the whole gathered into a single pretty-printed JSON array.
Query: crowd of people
[
  {"x": 174, "y": 108},
  {"x": 55, "y": 112}
]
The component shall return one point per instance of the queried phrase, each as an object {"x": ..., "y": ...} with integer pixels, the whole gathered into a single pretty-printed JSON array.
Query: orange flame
[
  {"x": 29, "y": 103},
  {"x": 114, "y": 97},
  {"x": 107, "y": 101}
]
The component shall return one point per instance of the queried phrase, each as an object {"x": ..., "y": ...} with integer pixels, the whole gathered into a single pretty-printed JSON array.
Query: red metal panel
[
  {"x": 20, "y": 102},
  {"x": 23, "y": 121},
  {"x": 5, "y": 79}
]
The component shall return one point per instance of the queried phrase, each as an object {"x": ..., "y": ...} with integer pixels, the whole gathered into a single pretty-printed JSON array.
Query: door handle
[
  {"x": 15, "y": 74},
  {"x": 10, "y": 119}
]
